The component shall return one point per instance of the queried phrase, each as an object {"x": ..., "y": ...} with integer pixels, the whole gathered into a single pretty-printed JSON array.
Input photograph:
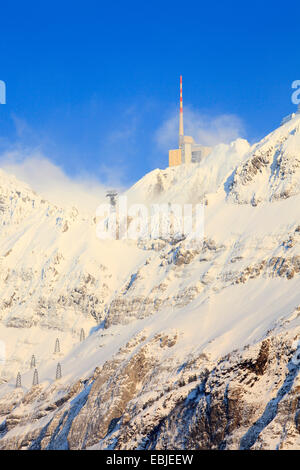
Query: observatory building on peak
[{"x": 188, "y": 151}]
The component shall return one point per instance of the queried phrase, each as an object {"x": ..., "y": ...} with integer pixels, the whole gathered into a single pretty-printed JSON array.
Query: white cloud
[
  {"x": 205, "y": 130},
  {"x": 49, "y": 180},
  {"x": 87, "y": 192},
  {"x": 29, "y": 164},
  {"x": 127, "y": 127}
]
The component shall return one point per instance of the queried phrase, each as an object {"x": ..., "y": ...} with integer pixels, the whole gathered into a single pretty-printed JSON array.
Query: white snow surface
[{"x": 38, "y": 258}]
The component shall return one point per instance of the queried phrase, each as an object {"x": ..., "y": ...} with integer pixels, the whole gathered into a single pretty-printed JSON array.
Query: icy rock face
[
  {"x": 247, "y": 399},
  {"x": 52, "y": 278},
  {"x": 189, "y": 183},
  {"x": 187, "y": 345},
  {"x": 272, "y": 170}
]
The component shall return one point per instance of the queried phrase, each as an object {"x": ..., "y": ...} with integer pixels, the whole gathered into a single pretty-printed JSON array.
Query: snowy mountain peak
[
  {"x": 271, "y": 171},
  {"x": 189, "y": 183},
  {"x": 183, "y": 347}
]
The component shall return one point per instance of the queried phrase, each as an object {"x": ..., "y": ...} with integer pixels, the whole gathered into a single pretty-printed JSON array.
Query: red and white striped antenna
[{"x": 180, "y": 116}]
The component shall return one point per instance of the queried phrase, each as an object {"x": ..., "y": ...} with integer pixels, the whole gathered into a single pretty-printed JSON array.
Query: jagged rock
[{"x": 190, "y": 343}]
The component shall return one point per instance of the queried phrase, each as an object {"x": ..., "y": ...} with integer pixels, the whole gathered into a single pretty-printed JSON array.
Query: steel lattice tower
[
  {"x": 58, "y": 371},
  {"x": 18, "y": 381},
  {"x": 33, "y": 362},
  {"x": 82, "y": 335},
  {"x": 57, "y": 346},
  {"x": 35, "y": 380}
]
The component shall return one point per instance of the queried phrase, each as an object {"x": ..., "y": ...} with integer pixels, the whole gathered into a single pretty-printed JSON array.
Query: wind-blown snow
[{"x": 58, "y": 277}]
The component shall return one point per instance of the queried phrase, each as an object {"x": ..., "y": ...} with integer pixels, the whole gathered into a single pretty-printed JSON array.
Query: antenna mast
[{"x": 181, "y": 116}]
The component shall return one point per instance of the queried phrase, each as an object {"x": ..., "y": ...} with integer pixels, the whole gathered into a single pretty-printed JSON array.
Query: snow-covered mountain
[{"x": 187, "y": 346}]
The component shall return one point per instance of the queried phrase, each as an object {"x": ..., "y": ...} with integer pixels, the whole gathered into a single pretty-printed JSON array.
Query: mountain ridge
[{"x": 187, "y": 346}]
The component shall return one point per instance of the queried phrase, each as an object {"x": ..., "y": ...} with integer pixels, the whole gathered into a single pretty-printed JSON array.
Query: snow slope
[
  {"x": 187, "y": 346},
  {"x": 55, "y": 275},
  {"x": 272, "y": 171},
  {"x": 189, "y": 183}
]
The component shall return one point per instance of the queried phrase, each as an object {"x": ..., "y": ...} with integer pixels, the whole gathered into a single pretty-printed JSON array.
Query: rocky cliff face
[
  {"x": 248, "y": 399},
  {"x": 187, "y": 345},
  {"x": 272, "y": 170}
]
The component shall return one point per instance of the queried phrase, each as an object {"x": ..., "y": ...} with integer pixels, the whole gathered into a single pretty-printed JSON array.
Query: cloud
[
  {"x": 128, "y": 122},
  {"x": 21, "y": 126},
  {"x": 113, "y": 176},
  {"x": 29, "y": 163},
  {"x": 205, "y": 129},
  {"x": 27, "y": 159},
  {"x": 49, "y": 180}
]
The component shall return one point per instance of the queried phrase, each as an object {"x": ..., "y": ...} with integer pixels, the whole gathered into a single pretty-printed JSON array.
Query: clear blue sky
[{"x": 90, "y": 82}]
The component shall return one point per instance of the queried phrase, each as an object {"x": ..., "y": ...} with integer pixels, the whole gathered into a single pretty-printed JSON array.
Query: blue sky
[{"x": 94, "y": 85}]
